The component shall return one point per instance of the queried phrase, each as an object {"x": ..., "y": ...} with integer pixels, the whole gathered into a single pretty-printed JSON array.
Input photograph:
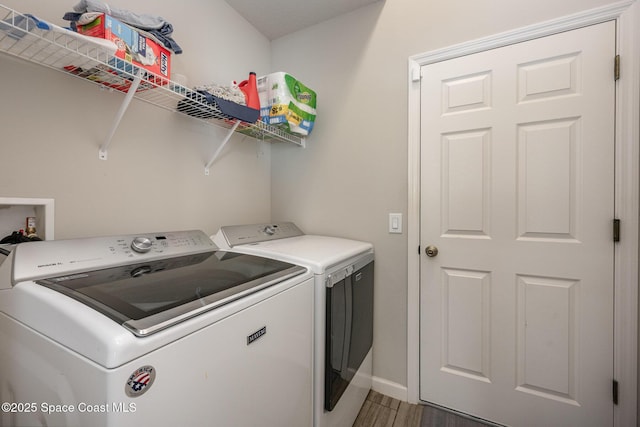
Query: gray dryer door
[{"x": 349, "y": 327}]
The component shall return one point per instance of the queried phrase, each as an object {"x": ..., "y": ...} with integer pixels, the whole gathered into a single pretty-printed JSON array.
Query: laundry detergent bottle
[{"x": 250, "y": 89}]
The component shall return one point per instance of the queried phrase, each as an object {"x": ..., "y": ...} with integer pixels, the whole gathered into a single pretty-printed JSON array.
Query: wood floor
[{"x": 384, "y": 411}]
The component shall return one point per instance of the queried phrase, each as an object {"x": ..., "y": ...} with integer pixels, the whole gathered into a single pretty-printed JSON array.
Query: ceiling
[{"x": 277, "y": 18}]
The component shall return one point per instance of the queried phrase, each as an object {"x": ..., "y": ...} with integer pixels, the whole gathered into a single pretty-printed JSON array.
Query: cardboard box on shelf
[{"x": 133, "y": 47}]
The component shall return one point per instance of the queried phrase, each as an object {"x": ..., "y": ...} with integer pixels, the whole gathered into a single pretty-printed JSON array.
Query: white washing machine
[
  {"x": 156, "y": 329},
  {"x": 343, "y": 271}
]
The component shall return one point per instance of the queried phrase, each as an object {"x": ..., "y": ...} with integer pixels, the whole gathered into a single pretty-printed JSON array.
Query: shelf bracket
[
  {"x": 102, "y": 152},
  {"x": 224, "y": 142}
]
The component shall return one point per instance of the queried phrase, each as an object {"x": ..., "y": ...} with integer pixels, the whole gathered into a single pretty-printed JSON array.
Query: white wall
[
  {"x": 52, "y": 126},
  {"x": 354, "y": 170}
]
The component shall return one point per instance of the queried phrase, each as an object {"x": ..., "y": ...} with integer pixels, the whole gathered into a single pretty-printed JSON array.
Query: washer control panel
[
  {"x": 38, "y": 260},
  {"x": 256, "y": 233}
]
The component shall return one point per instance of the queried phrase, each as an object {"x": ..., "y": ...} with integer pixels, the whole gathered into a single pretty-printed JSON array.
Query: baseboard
[{"x": 389, "y": 388}]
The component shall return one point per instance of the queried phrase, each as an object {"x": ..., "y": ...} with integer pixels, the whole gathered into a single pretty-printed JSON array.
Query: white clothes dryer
[{"x": 343, "y": 329}]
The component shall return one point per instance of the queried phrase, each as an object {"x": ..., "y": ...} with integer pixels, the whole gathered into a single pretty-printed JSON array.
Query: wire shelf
[{"x": 93, "y": 59}]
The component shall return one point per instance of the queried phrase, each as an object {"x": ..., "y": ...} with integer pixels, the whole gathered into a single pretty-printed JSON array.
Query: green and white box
[{"x": 286, "y": 102}]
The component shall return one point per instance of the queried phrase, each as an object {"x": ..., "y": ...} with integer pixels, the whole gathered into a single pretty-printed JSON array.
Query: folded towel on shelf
[
  {"x": 81, "y": 18},
  {"x": 161, "y": 29},
  {"x": 139, "y": 20}
]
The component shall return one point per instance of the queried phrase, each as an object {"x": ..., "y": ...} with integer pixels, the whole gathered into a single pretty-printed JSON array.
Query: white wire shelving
[{"x": 92, "y": 59}]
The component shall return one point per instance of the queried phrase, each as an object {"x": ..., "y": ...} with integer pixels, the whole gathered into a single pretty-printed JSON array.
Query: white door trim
[{"x": 627, "y": 15}]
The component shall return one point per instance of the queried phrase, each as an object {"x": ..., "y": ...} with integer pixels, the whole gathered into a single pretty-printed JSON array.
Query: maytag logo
[
  {"x": 164, "y": 63},
  {"x": 257, "y": 334}
]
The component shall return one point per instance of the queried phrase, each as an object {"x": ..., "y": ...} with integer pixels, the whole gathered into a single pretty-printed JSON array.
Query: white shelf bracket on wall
[
  {"x": 224, "y": 142},
  {"x": 102, "y": 152}
]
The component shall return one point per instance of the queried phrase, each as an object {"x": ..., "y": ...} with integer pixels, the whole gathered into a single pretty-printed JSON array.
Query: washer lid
[
  {"x": 286, "y": 242},
  {"x": 318, "y": 253},
  {"x": 148, "y": 297}
]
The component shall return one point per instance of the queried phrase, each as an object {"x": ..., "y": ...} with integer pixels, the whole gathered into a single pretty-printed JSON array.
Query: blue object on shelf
[{"x": 219, "y": 107}]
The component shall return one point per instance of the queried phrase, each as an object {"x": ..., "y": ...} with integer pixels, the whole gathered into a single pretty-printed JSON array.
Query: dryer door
[{"x": 349, "y": 328}]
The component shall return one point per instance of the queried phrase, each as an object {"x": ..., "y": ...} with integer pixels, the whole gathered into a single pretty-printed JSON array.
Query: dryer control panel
[{"x": 246, "y": 234}]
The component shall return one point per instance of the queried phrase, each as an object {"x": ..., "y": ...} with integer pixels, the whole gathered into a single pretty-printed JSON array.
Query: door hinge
[
  {"x": 616, "y": 230},
  {"x": 614, "y": 392},
  {"x": 616, "y": 68},
  {"x": 418, "y": 249}
]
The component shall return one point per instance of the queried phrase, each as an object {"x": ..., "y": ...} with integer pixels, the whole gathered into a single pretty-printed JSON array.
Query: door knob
[{"x": 431, "y": 251}]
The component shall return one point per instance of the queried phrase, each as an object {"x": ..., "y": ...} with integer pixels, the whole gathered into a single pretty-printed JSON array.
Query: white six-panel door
[{"x": 517, "y": 187}]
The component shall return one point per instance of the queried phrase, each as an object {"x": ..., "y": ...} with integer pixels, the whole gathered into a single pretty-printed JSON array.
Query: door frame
[{"x": 627, "y": 187}]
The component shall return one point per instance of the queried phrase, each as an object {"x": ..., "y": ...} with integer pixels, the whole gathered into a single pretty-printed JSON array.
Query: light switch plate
[{"x": 395, "y": 223}]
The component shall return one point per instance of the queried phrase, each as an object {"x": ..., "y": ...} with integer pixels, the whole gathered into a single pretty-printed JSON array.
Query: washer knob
[
  {"x": 141, "y": 244},
  {"x": 269, "y": 230}
]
